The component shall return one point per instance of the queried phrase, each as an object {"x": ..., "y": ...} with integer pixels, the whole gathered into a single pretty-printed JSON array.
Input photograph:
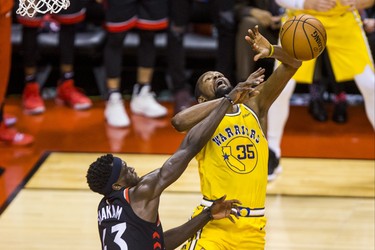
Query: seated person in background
[
  {"x": 147, "y": 17},
  {"x": 181, "y": 14},
  {"x": 66, "y": 92},
  {"x": 265, "y": 14}
]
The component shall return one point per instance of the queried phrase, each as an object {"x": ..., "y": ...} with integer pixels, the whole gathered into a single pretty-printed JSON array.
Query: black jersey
[{"x": 121, "y": 229}]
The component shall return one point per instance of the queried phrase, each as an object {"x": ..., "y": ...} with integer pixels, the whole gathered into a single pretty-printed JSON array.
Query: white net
[{"x": 31, "y": 7}]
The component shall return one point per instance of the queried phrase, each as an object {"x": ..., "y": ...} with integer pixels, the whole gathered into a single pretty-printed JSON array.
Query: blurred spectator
[
  {"x": 65, "y": 23},
  {"x": 121, "y": 16},
  {"x": 184, "y": 12},
  {"x": 7, "y": 135},
  {"x": 265, "y": 14}
]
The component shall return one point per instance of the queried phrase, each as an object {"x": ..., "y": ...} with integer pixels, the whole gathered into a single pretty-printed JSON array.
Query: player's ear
[
  {"x": 116, "y": 186},
  {"x": 201, "y": 99}
]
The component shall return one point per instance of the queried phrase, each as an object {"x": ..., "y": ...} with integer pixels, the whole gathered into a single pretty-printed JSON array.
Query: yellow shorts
[
  {"x": 247, "y": 233},
  {"x": 347, "y": 47}
]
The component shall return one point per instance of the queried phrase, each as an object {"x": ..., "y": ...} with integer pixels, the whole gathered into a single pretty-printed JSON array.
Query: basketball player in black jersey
[{"x": 128, "y": 214}]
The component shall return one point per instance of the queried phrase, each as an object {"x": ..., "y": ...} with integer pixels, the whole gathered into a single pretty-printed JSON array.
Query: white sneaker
[
  {"x": 115, "y": 113},
  {"x": 145, "y": 104},
  {"x": 278, "y": 170}
]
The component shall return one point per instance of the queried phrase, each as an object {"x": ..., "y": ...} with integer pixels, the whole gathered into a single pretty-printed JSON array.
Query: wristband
[
  {"x": 209, "y": 213},
  {"x": 229, "y": 99},
  {"x": 271, "y": 52}
]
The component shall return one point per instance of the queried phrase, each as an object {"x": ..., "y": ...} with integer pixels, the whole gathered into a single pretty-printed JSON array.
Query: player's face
[
  {"x": 128, "y": 175},
  {"x": 215, "y": 85}
]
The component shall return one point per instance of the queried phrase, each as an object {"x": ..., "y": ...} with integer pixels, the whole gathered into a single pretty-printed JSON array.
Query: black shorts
[
  {"x": 123, "y": 15},
  {"x": 75, "y": 13}
]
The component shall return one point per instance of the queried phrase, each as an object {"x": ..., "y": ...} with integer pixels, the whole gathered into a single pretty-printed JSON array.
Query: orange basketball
[{"x": 303, "y": 37}]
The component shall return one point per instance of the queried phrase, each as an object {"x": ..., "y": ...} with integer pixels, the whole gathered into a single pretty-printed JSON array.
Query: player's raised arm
[
  {"x": 278, "y": 79},
  {"x": 187, "y": 118},
  {"x": 265, "y": 49}
]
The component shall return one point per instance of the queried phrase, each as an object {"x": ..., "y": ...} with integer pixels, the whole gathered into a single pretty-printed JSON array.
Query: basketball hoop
[{"x": 31, "y": 7}]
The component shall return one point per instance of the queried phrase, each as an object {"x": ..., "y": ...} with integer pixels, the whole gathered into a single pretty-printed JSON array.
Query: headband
[{"x": 115, "y": 174}]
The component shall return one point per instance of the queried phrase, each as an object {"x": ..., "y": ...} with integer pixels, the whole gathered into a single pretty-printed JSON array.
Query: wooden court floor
[
  {"x": 56, "y": 210},
  {"x": 324, "y": 199}
]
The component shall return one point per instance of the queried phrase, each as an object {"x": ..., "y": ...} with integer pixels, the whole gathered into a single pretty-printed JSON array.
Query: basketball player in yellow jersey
[
  {"x": 348, "y": 51},
  {"x": 235, "y": 161}
]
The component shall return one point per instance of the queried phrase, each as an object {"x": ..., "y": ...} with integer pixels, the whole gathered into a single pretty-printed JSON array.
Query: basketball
[{"x": 303, "y": 37}]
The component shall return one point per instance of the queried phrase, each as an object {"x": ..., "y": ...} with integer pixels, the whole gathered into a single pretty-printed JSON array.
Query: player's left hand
[
  {"x": 255, "y": 79},
  {"x": 222, "y": 208},
  {"x": 258, "y": 43}
]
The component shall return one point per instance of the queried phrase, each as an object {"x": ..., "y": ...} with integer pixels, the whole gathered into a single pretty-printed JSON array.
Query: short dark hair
[{"x": 99, "y": 172}]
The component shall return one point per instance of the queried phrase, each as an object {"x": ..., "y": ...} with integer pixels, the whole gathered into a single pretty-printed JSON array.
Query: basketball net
[{"x": 31, "y": 7}]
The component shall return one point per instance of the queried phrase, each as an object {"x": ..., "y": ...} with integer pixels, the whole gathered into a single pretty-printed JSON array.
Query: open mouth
[{"x": 220, "y": 82}]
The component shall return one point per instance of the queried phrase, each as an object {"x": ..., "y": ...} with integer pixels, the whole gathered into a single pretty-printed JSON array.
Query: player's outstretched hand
[
  {"x": 247, "y": 89},
  {"x": 261, "y": 46},
  {"x": 257, "y": 77},
  {"x": 222, "y": 208}
]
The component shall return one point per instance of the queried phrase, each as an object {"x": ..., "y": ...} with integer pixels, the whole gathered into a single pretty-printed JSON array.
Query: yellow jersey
[{"x": 235, "y": 160}]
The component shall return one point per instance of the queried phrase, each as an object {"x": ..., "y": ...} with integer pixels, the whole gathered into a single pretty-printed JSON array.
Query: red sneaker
[
  {"x": 13, "y": 137},
  {"x": 68, "y": 94},
  {"x": 31, "y": 100},
  {"x": 9, "y": 119}
]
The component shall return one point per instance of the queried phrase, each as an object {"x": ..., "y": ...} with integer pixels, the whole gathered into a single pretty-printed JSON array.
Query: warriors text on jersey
[
  {"x": 235, "y": 161},
  {"x": 120, "y": 228}
]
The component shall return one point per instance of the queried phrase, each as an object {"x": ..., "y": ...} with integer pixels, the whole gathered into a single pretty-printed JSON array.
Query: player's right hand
[
  {"x": 222, "y": 208},
  {"x": 254, "y": 79},
  {"x": 243, "y": 90}
]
